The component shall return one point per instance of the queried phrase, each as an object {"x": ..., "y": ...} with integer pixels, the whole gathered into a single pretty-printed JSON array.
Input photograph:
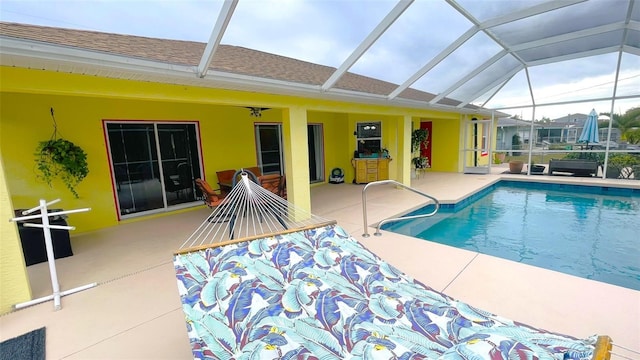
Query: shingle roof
[
  {"x": 228, "y": 58},
  {"x": 571, "y": 118},
  {"x": 515, "y": 122}
]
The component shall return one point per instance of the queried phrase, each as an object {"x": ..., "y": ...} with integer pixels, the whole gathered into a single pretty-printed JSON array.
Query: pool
[{"x": 587, "y": 231}]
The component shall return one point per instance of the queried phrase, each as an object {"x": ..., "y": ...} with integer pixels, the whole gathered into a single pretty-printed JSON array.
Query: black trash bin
[{"x": 32, "y": 239}]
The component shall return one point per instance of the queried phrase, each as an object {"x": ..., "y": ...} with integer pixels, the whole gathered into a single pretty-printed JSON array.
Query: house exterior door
[
  {"x": 153, "y": 165},
  {"x": 477, "y": 137},
  {"x": 316, "y": 152}
]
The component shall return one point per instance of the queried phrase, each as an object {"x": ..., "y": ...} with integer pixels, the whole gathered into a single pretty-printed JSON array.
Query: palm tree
[
  {"x": 625, "y": 123},
  {"x": 633, "y": 136}
]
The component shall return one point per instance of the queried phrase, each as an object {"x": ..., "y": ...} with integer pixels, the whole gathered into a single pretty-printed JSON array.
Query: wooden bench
[{"x": 577, "y": 167}]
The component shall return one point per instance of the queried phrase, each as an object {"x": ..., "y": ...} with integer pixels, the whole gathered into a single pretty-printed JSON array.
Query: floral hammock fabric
[{"x": 319, "y": 294}]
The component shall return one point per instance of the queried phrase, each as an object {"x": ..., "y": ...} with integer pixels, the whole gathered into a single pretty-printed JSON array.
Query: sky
[{"x": 327, "y": 31}]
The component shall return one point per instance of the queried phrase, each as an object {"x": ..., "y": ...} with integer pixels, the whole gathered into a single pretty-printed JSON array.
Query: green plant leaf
[{"x": 60, "y": 158}]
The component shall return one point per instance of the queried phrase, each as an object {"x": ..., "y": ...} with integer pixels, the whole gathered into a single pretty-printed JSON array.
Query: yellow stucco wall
[
  {"x": 14, "y": 282},
  {"x": 225, "y": 144},
  {"x": 392, "y": 129},
  {"x": 445, "y": 142},
  {"x": 227, "y": 139},
  {"x": 336, "y": 139},
  {"x": 82, "y": 103}
]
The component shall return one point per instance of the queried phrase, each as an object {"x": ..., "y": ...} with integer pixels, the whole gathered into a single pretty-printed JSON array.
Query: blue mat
[{"x": 29, "y": 346}]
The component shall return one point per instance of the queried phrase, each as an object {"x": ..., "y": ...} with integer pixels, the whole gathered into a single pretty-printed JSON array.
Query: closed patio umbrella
[{"x": 590, "y": 130}]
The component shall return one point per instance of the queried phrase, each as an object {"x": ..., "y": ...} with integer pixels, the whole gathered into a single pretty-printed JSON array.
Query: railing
[{"x": 385, "y": 221}]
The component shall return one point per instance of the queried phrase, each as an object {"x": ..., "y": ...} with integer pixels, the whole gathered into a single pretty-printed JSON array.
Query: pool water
[{"x": 590, "y": 232}]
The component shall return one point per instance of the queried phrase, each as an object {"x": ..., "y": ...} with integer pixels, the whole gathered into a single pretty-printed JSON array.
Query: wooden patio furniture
[
  {"x": 578, "y": 167},
  {"x": 225, "y": 180},
  {"x": 272, "y": 182},
  {"x": 211, "y": 197},
  {"x": 255, "y": 170}
]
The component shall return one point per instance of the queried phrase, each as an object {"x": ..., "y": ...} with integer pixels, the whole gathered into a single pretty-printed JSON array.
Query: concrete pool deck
[{"x": 135, "y": 312}]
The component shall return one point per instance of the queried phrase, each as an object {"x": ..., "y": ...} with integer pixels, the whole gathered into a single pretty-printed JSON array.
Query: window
[
  {"x": 369, "y": 138},
  {"x": 154, "y": 165}
]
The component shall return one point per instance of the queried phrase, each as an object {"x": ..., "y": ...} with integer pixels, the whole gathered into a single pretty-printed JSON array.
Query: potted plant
[
  {"x": 60, "y": 158},
  {"x": 515, "y": 166},
  {"x": 420, "y": 162}
]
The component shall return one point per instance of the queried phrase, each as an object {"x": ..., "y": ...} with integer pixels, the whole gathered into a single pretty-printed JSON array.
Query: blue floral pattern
[{"x": 319, "y": 294}]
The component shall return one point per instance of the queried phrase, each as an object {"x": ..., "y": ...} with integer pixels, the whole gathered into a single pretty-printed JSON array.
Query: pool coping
[{"x": 558, "y": 184}]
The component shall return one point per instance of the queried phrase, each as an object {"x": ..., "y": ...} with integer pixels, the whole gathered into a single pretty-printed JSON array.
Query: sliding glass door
[
  {"x": 154, "y": 165},
  {"x": 316, "y": 152},
  {"x": 269, "y": 148},
  {"x": 270, "y": 154}
]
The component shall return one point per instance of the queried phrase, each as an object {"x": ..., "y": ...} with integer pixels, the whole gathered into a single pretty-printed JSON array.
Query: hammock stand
[
  {"x": 272, "y": 281},
  {"x": 46, "y": 228}
]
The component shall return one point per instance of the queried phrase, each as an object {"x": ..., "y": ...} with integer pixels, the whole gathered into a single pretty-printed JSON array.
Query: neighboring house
[
  {"x": 602, "y": 134},
  {"x": 508, "y": 128},
  {"x": 566, "y": 129},
  {"x": 150, "y": 124}
]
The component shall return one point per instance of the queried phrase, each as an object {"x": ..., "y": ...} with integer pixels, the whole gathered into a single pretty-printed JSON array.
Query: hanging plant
[
  {"x": 60, "y": 158},
  {"x": 419, "y": 136}
]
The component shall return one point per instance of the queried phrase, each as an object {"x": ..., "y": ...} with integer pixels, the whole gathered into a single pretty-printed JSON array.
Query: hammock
[{"x": 261, "y": 279}]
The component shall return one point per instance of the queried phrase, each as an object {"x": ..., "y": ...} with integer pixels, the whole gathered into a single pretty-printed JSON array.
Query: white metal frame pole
[
  {"x": 46, "y": 229},
  {"x": 53, "y": 273}
]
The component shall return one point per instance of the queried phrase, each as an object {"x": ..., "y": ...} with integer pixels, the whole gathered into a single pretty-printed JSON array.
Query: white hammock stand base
[{"x": 46, "y": 228}]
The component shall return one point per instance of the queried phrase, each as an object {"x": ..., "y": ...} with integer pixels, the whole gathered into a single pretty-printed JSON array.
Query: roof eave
[{"x": 12, "y": 49}]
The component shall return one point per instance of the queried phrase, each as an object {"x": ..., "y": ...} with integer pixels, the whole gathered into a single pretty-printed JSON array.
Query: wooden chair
[
  {"x": 283, "y": 187},
  {"x": 210, "y": 196},
  {"x": 272, "y": 182},
  {"x": 255, "y": 170},
  {"x": 225, "y": 179}
]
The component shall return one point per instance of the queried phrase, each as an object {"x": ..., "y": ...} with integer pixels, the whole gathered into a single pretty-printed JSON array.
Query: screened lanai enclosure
[{"x": 534, "y": 69}]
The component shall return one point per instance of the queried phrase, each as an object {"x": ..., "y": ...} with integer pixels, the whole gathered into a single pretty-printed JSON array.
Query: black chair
[
  {"x": 185, "y": 178},
  {"x": 180, "y": 183}
]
